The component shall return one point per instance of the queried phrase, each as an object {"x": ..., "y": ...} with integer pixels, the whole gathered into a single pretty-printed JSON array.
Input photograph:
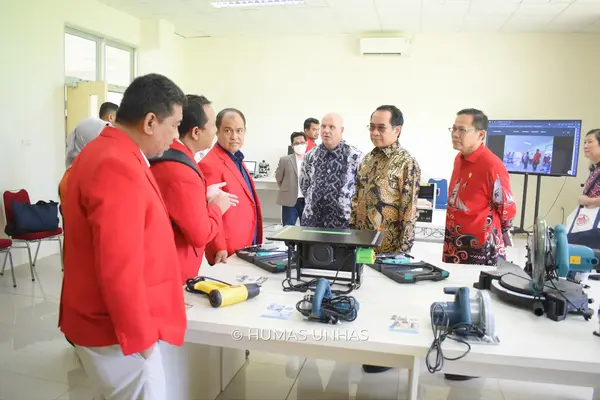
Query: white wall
[
  {"x": 279, "y": 81},
  {"x": 32, "y": 132}
]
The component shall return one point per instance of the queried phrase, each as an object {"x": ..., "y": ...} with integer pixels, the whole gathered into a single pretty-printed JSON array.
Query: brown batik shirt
[{"x": 387, "y": 186}]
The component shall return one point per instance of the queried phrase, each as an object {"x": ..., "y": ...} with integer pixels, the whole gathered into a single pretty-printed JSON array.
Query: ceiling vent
[{"x": 384, "y": 46}]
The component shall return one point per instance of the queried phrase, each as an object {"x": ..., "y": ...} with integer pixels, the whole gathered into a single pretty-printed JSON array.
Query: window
[
  {"x": 114, "y": 97},
  {"x": 93, "y": 58},
  {"x": 81, "y": 58},
  {"x": 118, "y": 66}
]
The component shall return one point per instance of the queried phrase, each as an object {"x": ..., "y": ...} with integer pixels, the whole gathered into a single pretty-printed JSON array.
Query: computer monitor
[
  {"x": 536, "y": 147},
  {"x": 251, "y": 167}
]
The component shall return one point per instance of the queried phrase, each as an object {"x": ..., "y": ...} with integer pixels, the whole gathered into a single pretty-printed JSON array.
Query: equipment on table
[
  {"x": 464, "y": 320},
  {"x": 402, "y": 268},
  {"x": 335, "y": 254},
  {"x": 263, "y": 169},
  {"x": 426, "y": 202},
  {"x": 542, "y": 284},
  {"x": 322, "y": 306},
  {"x": 266, "y": 256},
  {"x": 222, "y": 294},
  {"x": 441, "y": 188},
  {"x": 251, "y": 167}
]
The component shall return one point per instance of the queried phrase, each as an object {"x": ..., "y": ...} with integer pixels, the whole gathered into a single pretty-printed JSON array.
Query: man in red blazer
[
  {"x": 311, "y": 130},
  {"x": 195, "y": 212},
  {"x": 242, "y": 225},
  {"x": 122, "y": 293}
]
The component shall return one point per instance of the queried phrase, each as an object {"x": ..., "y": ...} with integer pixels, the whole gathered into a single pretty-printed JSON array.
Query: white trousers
[{"x": 118, "y": 377}]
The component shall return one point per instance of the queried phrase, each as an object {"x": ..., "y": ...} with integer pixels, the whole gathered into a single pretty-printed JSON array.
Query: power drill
[{"x": 222, "y": 294}]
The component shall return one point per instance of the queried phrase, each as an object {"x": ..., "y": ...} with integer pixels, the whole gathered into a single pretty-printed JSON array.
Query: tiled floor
[{"x": 36, "y": 363}]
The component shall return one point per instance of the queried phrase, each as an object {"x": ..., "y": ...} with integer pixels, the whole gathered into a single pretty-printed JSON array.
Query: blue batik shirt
[{"x": 328, "y": 181}]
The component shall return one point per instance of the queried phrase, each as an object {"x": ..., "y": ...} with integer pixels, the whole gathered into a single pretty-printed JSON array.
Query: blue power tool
[
  {"x": 550, "y": 254},
  {"x": 322, "y": 306},
  {"x": 541, "y": 285},
  {"x": 465, "y": 316}
]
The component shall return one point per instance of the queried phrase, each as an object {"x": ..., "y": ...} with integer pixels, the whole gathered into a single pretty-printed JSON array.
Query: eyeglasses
[
  {"x": 461, "y": 131},
  {"x": 381, "y": 128}
]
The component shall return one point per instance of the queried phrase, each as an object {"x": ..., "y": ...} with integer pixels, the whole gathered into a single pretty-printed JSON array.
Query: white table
[{"x": 531, "y": 349}]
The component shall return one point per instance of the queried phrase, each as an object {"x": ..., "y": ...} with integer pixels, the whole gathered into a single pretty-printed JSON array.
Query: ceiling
[{"x": 197, "y": 18}]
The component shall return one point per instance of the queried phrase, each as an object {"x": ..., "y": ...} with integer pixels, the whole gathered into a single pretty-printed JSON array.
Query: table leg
[
  {"x": 413, "y": 380},
  {"x": 596, "y": 394}
]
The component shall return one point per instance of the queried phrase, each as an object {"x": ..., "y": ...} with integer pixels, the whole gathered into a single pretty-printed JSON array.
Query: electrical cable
[
  {"x": 443, "y": 331},
  {"x": 333, "y": 309},
  {"x": 304, "y": 286}
]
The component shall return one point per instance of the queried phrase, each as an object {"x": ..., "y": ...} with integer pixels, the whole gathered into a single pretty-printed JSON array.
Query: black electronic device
[
  {"x": 274, "y": 265},
  {"x": 426, "y": 192},
  {"x": 402, "y": 268},
  {"x": 536, "y": 147},
  {"x": 266, "y": 256},
  {"x": 334, "y": 254}
]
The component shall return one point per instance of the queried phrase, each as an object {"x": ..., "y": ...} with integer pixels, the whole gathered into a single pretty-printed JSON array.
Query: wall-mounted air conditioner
[{"x": 384, "y": 46}]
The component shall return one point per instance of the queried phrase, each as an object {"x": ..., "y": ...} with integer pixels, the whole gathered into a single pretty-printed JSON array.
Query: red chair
[
  {"x": 27, "y": 239},
  {"x": 5, "y": 246}
]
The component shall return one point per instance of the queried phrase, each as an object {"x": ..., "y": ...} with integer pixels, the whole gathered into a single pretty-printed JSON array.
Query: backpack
[{"x": 177, "y": 156}]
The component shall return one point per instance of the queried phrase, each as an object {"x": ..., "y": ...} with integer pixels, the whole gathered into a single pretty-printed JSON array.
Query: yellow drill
[{"x": 222, "y": 294}]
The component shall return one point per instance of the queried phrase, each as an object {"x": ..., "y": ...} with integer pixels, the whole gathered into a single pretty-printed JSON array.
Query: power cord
[
  {"x": 441, "y": 332},
  {"x": 553, "y": 203},
  {"x": 333, "y": 309},
  {"x": 304, "y": 286}
]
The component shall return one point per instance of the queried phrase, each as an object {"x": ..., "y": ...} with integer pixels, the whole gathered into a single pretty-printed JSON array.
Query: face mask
[{"x": 300, "y": 149}]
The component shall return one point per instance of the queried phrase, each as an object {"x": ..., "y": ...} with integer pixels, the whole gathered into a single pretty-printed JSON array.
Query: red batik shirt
[{"x": 480, "y": 208}]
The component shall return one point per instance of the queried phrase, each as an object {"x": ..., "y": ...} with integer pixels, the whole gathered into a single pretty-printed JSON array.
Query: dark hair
[
  {"x": 224, "y": 111},
  {"x": 596, "y": 133},
  {"x": 295, "y": 135},
  {"x": 107, "y": 108},
  {"x": 396, "y": 118},
  {"x": 193, "y": 114},
  {"x": 309, "y": 121},
  {"x": 480, "y": 120},
  {"x": 152, "y": 93}
]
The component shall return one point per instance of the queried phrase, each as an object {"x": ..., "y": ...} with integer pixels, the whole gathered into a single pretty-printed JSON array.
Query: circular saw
[
  {"x": 544, "y": 284},
  {"x": 539, "y": 256}
]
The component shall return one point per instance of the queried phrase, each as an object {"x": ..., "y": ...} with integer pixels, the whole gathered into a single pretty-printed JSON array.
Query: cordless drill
[{"x": 222, "y": 294}]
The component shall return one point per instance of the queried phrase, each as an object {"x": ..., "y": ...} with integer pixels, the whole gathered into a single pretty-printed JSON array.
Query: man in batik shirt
[
  {"x": 328, "y": 177},
  {"x": 481, "y": 208},
  {"x": 387, "y": 185}
]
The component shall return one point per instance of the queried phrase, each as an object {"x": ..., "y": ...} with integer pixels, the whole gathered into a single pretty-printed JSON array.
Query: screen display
[
  {"x": 544, "y": 147},
  {"x": 251, "y": 167}
]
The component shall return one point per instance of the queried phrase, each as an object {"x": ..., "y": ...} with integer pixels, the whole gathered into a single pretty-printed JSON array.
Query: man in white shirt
[{"x": 290, "y": 196}]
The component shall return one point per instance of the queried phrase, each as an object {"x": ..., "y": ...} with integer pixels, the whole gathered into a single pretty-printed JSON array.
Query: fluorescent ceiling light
[{"x": 255, "y": 3}]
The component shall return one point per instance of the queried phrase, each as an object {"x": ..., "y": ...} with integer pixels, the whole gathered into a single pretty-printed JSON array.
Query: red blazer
[
  {"x": 195, "y": 222},
  {"x": 121, "y": 283},
  {"x": 239, "y": 222}
]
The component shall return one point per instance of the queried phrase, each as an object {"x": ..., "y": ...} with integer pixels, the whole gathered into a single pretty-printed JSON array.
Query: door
[{"x": 83, "y": 101}]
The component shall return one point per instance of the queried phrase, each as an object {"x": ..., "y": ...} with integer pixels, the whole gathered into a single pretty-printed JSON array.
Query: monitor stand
[{"x": 521, "y": 229}]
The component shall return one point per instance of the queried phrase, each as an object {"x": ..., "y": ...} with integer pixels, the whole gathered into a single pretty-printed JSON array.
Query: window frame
[{"x": 101, "y": 43}]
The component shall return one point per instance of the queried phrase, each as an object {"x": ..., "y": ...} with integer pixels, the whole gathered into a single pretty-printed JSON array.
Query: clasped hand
[{"x": 214, "y": 191}]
